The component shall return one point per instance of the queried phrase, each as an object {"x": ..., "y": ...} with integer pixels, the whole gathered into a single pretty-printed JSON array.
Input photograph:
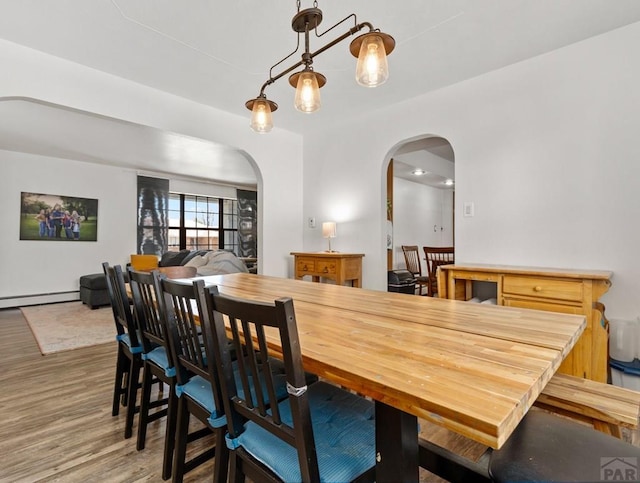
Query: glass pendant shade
[
  {"x": 307, "y": 92},
  {"x": 261, "y": 119},
  {"x": 372, "y": 69}
]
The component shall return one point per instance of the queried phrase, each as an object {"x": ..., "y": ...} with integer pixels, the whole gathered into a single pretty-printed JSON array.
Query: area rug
[{"x": 70, "y": 325}]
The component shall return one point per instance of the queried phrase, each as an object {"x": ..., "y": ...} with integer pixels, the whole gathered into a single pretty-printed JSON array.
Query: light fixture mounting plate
[{"x": 310, "y": 16}]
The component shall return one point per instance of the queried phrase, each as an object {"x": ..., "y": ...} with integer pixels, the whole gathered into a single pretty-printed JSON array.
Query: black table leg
[{"x": 396, "y": 445}]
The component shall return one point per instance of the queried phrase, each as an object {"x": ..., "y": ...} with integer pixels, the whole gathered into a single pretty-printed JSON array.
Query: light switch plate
[
  {"x": 312, "y": 222},
  {"x": 468, "y": 208}
]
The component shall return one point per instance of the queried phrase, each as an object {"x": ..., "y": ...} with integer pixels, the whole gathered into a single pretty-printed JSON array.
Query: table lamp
[{"x": 329, "y": 232}]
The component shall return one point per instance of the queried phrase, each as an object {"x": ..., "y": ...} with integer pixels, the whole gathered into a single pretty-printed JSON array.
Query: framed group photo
[{"x": 58, "y": 218}]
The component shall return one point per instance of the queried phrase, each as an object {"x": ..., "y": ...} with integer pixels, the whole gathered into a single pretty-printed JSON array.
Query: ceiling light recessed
[{"x": 418, "y": 172}]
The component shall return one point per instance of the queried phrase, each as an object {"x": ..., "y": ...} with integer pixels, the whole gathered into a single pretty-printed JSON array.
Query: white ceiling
[
  {"x": 219, "y": 53},
  {"x": 433, "y": 155}
]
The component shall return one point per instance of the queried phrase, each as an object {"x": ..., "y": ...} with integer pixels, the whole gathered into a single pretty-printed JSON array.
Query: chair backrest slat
[
  {"x": 250, "y": 366},
  {"x": 268, "y": 374},
  {"x": 122, "y": 314},
  {"x": 240, "y": 347}
]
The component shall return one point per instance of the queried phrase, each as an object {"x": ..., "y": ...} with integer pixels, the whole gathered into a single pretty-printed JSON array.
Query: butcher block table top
[{"x": 473, "y": 368}]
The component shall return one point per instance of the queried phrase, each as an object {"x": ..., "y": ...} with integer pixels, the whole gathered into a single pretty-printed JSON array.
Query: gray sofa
[
  {"x": 93, "y": 287},
  {"x": 206, "y": 262}
]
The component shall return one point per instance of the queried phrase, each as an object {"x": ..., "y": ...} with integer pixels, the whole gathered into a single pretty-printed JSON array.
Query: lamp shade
[
  {"x": 329, "y": 229},
  {"x": 261, "y": 119},
  {"x": 372, "y": 69}
]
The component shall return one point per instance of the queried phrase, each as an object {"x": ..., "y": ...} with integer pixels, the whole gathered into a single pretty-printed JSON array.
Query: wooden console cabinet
[
  {"x": 341, "y": 267},
  {"x": 550, "y": 289}
]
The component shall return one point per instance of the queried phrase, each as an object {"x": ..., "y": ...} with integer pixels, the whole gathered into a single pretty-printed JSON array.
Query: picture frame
[{"x": 47, "y": 217}]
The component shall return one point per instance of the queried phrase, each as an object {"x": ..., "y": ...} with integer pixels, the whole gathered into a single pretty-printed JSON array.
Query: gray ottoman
[{"x": 93, "y": 290}]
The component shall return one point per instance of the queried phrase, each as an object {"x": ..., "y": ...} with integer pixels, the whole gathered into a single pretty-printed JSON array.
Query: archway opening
[{"x": 420, "y": 197}]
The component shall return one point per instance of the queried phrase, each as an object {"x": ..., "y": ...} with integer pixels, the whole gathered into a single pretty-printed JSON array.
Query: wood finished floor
[
  {"x": 56, "y": 423},
  {"x": 55, "y": 416}
]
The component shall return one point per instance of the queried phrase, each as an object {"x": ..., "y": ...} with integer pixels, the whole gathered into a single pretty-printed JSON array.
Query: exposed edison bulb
[
  {"x": 307, "y": 92},
  {"x": 261, "y": 119},
  {"x": 372, "y": 69}
]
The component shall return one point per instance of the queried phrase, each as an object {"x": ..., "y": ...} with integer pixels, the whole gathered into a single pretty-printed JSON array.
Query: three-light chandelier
[{"x": 372, "y": 70}]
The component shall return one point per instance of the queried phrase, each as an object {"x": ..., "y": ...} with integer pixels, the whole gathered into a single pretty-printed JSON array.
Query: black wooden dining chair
[
  {"x": 320, "y": 432},
  {"x": 158, "y": 363},
  {"x": 197, "y": 386},
  {"x": 129, "y": 360},
  {"x": 412, "y": 262}
]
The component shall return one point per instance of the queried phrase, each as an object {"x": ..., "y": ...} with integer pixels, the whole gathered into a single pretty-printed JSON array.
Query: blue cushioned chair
[
  {"x": 158, "y": 364},
  {"x": 197, "y": 387},
  {"x": 129, "y": 359},
  {"x": 319, "y": 433}
]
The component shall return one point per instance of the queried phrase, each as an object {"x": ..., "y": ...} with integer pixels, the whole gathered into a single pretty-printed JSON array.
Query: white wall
[
  {"x": 546, "y": 149},
  {"x": 417, "y": 208},
  {"x": 278, "y": 156},
  {"x": 40, "y": 271},
  {"x": 43, "y": 267}
]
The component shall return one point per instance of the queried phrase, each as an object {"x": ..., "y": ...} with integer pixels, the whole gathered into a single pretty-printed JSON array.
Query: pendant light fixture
[{"x": 372, "y": 70}]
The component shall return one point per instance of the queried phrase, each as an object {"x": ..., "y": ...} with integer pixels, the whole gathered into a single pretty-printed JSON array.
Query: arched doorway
[{"x": 420, "y": 196}]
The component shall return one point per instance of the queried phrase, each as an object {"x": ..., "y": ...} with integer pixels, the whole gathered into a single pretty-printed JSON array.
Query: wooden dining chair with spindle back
[
  {"x": 436, "y": 256},
  {"x": 412, "y": 262}
]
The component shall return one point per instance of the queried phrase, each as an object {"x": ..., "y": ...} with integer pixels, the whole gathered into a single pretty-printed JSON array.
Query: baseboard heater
[{"x": 38, "y": 299}]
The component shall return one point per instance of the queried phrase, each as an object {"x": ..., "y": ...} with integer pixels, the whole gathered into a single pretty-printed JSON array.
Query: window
[{"x": 202, "y": 223}]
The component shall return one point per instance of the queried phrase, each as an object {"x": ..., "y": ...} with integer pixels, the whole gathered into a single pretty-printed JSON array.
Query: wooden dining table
[{"x": 472, "y": 368}]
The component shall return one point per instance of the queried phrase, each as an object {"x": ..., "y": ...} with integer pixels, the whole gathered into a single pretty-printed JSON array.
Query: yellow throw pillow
[{"x": 144, "y": 263}]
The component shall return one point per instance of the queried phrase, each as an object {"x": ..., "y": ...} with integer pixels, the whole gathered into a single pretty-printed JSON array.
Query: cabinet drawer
[
  {"x": 476, "y": 276},
  {"x": 306, "y": 265},
  {"x": 542, "y": 305},
  {"x": 543, "y": 287},
  {"x": 327, "y": 267}
]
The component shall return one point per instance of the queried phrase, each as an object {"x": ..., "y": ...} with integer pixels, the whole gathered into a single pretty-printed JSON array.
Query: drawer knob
[
  {"x": 305, "y": 268},
  {"x": 326, "y": 270},
  {"x": 537, "y": 288}
]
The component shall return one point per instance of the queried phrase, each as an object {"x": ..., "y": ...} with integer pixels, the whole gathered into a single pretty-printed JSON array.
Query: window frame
[{"x": 222, "y": 230}]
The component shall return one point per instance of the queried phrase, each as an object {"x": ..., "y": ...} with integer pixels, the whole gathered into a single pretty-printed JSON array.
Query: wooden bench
[{"x": 606, "y": 407}]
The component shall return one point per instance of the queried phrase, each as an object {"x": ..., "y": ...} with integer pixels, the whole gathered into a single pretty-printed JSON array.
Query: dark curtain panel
[
  {"x": 247, "y": 223},
  {"x": 153, "y": 216}
]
